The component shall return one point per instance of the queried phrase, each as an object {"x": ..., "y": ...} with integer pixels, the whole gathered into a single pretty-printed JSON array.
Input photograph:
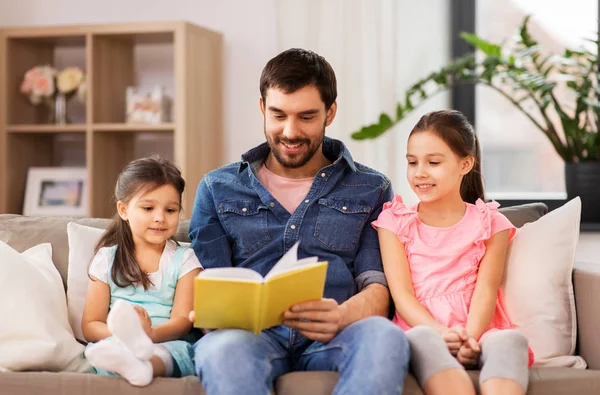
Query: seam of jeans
[{"x": 325, "y": 347}]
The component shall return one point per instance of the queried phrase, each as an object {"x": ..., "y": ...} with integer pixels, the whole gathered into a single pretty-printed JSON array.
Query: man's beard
[{"x": 299, "y": 160}]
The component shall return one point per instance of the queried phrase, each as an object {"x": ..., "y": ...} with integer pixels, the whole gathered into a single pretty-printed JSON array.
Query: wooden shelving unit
[{"x": 104, "y": 140}]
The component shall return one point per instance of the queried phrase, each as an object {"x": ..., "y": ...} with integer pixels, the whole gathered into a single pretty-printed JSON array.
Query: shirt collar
[{"x": 333, "y": 149}]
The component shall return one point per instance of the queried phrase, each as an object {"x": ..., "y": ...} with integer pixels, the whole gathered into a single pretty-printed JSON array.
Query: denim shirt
[{"x": 237, "y": 222}]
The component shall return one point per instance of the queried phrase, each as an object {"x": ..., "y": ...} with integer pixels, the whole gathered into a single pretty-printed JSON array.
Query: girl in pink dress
[{"x": 444, "y": 261}]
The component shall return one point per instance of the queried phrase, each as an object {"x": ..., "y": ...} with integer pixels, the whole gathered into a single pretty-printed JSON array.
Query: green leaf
[
  {"x": 484, "y": 46},
  {"x": 385, "y": 121},
  {"x": 526, "y": 38},
  {"x": 399, "y": 112},
  {"x": 369, "y": 132}
]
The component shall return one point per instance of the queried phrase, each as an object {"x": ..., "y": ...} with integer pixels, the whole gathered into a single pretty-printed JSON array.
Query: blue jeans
[{"x": 371, "y": 356}]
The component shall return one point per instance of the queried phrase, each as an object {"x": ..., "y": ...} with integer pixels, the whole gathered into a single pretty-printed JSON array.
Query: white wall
[{"x": 248, "y": 28}]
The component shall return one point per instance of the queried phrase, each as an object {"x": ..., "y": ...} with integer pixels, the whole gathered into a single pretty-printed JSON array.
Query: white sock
[
  {"x": 124, "y": 324},
  {"x": 163, "y": 353},
  {"x": 113, "y": 357}
]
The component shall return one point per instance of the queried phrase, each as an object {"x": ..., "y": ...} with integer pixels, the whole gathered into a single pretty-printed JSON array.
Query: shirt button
[
  {"x": 306, "y": 201},
  {"x": 272, "y": 204},
  {"x": 293, "y": 226},
  {"x": 244, "y": 209},
  {"x": 344, "y": 208},
  {"x": 323, "y": 174}
]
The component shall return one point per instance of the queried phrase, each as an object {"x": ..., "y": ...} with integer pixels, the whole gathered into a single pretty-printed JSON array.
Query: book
[{"x": 235, "y": 297}]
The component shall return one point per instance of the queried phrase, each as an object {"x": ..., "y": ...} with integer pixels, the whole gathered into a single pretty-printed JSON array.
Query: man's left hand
[{"x": 319, "y": 320}]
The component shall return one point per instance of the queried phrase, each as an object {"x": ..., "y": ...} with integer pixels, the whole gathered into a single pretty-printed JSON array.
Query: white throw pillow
[
  {"x": 538, "y": 287},
  {"x": 35, "y": 333},
  {"x": 82, "y": 241}
]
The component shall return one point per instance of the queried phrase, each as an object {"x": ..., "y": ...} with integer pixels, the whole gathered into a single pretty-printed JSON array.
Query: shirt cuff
[{"x": 369, "y": 277}]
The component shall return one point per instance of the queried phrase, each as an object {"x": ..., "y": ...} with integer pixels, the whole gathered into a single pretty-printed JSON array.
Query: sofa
[{"x": 21, "y": 233}]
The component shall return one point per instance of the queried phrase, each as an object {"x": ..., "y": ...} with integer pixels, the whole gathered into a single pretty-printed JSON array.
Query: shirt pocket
[
  {"x": 246, "y": 222},
  {"x": 340, "y": 222}
]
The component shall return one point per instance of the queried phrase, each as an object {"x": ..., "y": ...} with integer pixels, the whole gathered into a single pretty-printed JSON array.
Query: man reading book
[{"x": 300, "y": 185}]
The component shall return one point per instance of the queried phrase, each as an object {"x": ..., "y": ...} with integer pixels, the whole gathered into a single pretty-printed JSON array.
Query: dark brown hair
[
  {"x": 296, "y": 68},
  {"x": 142, "y": 174},
  {"x": 456, "y": 131}
]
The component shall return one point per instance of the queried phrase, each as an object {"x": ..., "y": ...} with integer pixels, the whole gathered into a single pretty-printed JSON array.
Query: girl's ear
[
  {"x": 122, "y": 210},
  {"x": 466, "y": 165}
]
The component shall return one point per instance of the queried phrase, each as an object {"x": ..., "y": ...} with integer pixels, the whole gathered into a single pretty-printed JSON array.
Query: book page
[
  {"x": 232, "y": 273},
  {"x": 289, "y": 261}
]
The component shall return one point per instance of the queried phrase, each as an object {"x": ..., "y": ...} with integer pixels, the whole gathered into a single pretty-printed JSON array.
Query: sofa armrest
[{"x": 586, "y": 280}]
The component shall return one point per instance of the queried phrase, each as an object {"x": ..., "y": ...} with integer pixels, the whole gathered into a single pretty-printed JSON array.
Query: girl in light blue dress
[{"x": 140, "y": 291}]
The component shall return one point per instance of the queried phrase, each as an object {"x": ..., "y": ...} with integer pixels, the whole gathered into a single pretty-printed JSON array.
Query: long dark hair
[
  {"x": 141, "y": 174},
  {"x": 456, "y": 131}
]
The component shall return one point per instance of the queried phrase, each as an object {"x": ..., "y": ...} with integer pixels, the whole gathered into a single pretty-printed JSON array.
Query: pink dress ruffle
[{"x": 444, "y": 262}]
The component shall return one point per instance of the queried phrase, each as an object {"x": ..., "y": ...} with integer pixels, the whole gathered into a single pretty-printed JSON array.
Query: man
[{"x": 300, "y": 185}]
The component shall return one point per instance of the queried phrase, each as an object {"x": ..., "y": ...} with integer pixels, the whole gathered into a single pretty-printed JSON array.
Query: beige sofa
[{"x": 24, "y": 232}]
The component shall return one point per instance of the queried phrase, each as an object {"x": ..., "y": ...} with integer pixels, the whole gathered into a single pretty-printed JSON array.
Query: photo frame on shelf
[
  {"x": 151, "y": 106},
  {"x": 56, "y": 191}
]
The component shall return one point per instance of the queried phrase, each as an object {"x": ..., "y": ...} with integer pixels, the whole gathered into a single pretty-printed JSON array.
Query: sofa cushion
[
  {"x": 538, "y": 287},
  {"x": 524, "y": 213},
  {"x": 82, "y": 242},
  {"x": 35, "y": 333},
  {"x": 542, "y": 381}
]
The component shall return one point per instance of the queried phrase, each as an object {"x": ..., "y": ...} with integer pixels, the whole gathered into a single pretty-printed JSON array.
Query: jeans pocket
[
  {"x": 340, "y": 222},
  {"x": 246, "y": 222}
]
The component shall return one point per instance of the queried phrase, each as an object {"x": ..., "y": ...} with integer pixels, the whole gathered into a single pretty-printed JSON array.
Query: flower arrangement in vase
[{"x": 48, "y": 85}]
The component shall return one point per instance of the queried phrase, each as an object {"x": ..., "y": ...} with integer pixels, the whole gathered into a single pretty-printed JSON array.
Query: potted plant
[{"x": 519, "y": 71}]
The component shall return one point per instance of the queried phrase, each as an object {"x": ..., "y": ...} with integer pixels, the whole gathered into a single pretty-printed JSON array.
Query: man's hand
[
  {"x": 319, "y": 320},
  {"x": 469, "y": 352},
  {"x": 455, "y": 338}
]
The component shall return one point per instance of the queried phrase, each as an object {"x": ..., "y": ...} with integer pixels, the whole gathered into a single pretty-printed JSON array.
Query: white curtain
[{"x": 377, "y": 48}]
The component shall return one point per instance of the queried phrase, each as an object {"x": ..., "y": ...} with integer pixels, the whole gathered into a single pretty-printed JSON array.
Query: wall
[{"x": 248, "y": 29}]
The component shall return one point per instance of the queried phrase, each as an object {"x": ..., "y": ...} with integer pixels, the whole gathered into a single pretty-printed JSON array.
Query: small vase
[{"x": 58, "y": 110}]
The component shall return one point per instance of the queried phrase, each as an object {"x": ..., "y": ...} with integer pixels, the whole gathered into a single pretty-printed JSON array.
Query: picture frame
[
  {"x": 56, "y": 191},
  {"x": 147, "y": 105}
]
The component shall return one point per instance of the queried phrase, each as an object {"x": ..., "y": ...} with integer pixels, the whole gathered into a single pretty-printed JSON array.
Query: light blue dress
[{"x": 158, "y": 303}]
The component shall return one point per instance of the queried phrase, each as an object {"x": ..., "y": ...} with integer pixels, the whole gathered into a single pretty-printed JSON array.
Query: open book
[{"x": 236, "y": 297}]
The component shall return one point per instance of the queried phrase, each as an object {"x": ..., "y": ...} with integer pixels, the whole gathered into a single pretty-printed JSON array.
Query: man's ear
[
  {"x": 330, "y": 116},
  {"x": 122, "y": 210},
  {"x": 467, "y": 164},
  {"x": 262, "y": 105}
]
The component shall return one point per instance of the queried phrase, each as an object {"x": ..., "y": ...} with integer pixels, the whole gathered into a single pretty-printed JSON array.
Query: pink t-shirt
[
  {"x": 289, "y": 192},
  {"x": 444, "y": 262}
]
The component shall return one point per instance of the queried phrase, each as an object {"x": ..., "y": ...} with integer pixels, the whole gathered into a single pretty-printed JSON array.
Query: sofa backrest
[{"x": 22, "y": 232}]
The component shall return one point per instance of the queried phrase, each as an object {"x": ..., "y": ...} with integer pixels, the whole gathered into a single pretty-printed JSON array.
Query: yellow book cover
[{"x": 242, "y": 298}]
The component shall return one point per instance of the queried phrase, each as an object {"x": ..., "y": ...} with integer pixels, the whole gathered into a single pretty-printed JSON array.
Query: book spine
[{"x": 262, "y": 308}]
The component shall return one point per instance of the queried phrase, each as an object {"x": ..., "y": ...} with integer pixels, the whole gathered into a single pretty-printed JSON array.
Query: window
[{"x": 518, "y": 160}]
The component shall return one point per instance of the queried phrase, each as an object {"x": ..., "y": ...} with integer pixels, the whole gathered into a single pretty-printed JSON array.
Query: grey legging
[{"x": 504, "y": 354}]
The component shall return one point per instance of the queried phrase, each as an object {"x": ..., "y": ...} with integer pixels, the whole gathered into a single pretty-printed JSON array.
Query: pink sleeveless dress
[{"x": 444, "y": 262}]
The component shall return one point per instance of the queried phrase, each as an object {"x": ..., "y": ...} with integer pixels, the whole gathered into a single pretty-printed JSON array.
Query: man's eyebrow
[{"x": 311, "y": 111}]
